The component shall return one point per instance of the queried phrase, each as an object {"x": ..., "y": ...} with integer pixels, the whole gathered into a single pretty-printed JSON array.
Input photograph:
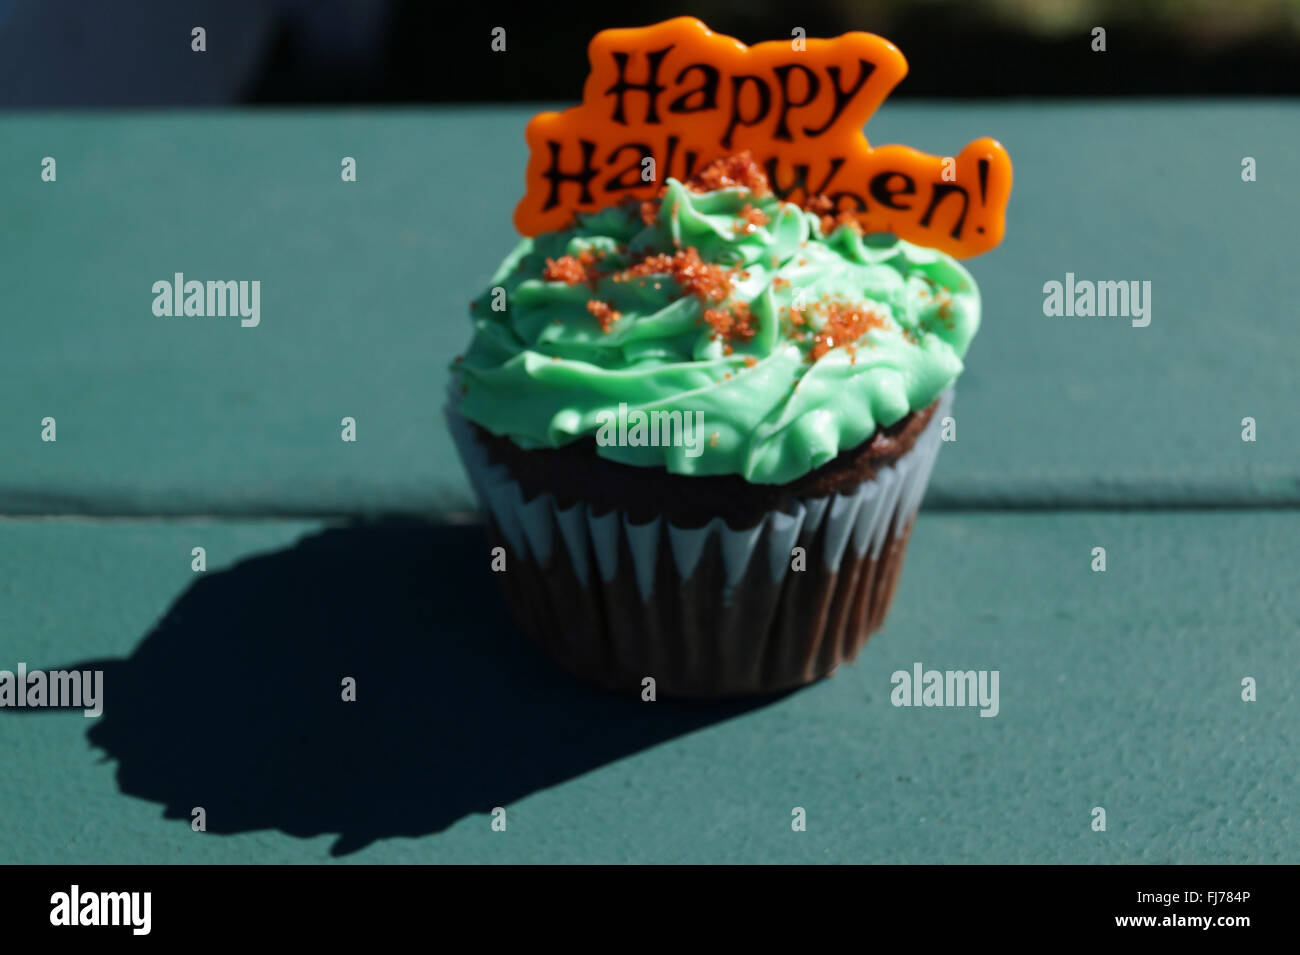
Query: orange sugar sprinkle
[
  {"x": 650, "y": 211},
  {"x": 750, "y": 361},
  {"x": 832, "y": 222},
  {"x": 573, "y": 269},
  {"x": 738, "y": 170},
  {"x": 603, "y": 313},
  {"x": 844, "y": 325},
  {"x": 732, "y": 323},
  {"x": 749, "y": 218},
  {"x": 821, "y": 204},
  {"x": 778, "y": 282},
  {"x": 709, "y": 283}
]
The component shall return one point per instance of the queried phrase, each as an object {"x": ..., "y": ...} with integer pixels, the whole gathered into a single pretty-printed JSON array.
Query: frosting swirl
[{"x": 793, "y": 341}]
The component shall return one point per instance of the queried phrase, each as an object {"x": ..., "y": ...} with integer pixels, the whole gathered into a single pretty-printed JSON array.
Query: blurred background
[{"x": 137, "y": 53}]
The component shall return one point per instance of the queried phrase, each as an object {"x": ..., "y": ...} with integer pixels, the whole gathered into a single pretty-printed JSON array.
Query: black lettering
[
  {"x": 801, "y": 177},
  {"x": 941, "y": 191},
  {"x": 650, "y": 87},
  {"x": 707, "y": 90},
  {"x": 615, "y": 182},
  {"x": 691, "y": 158},
  {"x": 842, "y": 98},
  {"x": 856, "y": 201},
  {"x": 583, "y": 177},
  {"x": 764, "y": 104},
  {"x": 782, "y": 130},
  {"x": 783, "y": 190},
  {"x": 836, "y": 163},
  {"x": 880, "y": 189}
]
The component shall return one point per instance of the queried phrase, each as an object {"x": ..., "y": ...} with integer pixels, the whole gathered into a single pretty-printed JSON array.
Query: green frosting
[{"x": 542, "y": 372}]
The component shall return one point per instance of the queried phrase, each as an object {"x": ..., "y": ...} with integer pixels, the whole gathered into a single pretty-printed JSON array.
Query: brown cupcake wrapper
[{"x": 711, "y": 611}]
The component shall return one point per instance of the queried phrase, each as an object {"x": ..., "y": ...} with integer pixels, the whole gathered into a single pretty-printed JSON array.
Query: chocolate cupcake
[{"x": 701, "y": 428}]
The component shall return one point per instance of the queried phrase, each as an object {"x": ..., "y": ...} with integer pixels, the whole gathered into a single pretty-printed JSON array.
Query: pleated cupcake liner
[{"x": 711, "y": 611}]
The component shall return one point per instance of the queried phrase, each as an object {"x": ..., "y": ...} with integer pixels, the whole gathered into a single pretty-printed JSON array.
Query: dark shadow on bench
[{"x": 233, "y": 702}]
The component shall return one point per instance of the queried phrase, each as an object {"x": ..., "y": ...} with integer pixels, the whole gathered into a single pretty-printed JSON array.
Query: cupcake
[{"x": 701, "y": 427}]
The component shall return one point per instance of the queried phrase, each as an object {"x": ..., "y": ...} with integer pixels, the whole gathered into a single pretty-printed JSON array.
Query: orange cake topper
[{"x": 682, "y": 95}]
